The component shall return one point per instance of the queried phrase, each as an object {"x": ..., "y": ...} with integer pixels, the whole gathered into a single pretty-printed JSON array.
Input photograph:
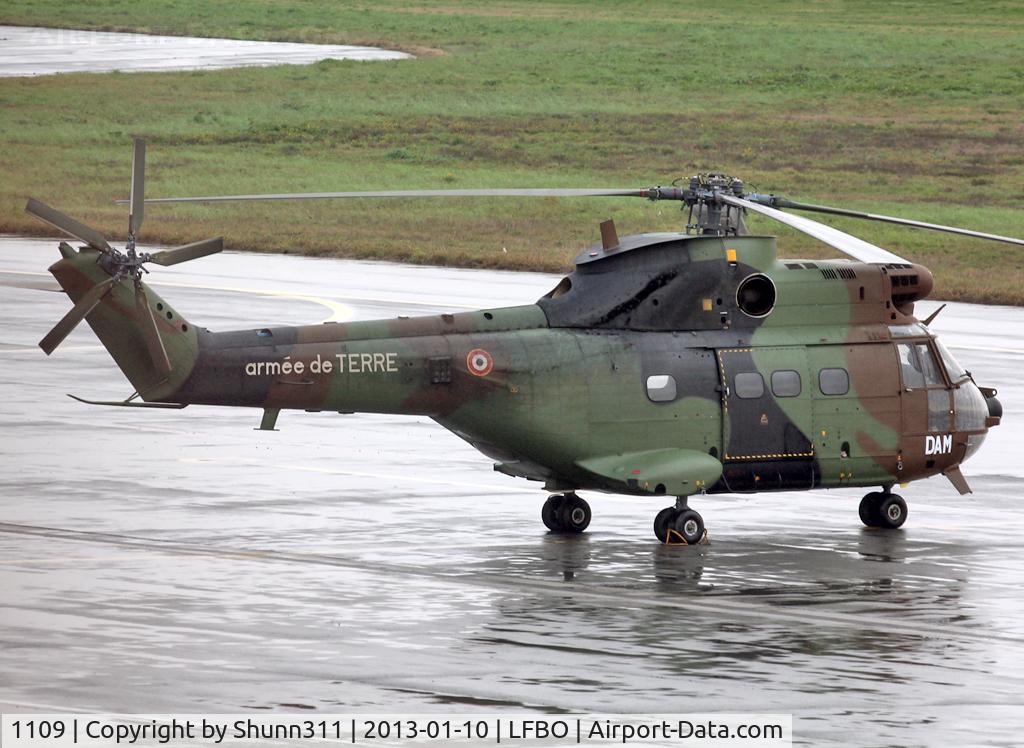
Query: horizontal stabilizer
[{"x": 677, "y": 472}]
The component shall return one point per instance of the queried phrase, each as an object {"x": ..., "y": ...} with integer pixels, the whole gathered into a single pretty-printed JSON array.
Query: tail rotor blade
[
  {"x": 79, "y": 312},
  {"x": 188, "y": 252},
  {"x": 68, "y": 225},
  {"x": 138, "y": 192},
  {"x": 154, "y": 342}
]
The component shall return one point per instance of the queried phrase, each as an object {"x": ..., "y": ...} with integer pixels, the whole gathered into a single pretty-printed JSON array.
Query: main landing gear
[
  {"x": 679, "y": 524},
  {"x": 883, "y": 509},
  {"x": 566, "y": 513}
]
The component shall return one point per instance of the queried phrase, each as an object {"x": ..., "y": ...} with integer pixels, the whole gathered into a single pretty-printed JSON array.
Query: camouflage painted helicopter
[{"x": 665, "y": 364}]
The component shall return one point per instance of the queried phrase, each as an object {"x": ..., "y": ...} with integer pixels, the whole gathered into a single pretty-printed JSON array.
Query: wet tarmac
[
  {"x": 179, "y": 561},
  {"x": 27, "y": 50}
]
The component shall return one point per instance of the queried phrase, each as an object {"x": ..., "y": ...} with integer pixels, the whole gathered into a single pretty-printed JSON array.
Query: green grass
[{"x": 908, "y": 108}]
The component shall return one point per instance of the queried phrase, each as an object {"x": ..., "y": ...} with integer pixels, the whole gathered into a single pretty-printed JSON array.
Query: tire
[
  {"x": 892, "y": 512},
  {"x": 550, "y": 513},
  {"x": 574, "y": 514},
  {"x": 663, "y": 521},
  {"x": 689, "y": 526},
  {"x": 868, "y": 509}
]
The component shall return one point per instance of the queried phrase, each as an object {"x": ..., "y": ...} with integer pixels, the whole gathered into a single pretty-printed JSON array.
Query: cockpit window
[
  {"x": 929, "y": 368},
  {"x": 912, "y": 377},
  {"x": 953, "y": 368},
  {"x": 920, "y": 369}
]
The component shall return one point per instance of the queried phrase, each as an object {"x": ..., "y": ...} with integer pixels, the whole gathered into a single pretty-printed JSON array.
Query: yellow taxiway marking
[
  {"x": 339, "y": 312},
  {"x": 283, "y": 294},
  {"x": 347, "y": 297}
]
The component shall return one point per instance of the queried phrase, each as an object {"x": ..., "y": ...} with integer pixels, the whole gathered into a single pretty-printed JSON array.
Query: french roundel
[{"x": 479, "y": 362}]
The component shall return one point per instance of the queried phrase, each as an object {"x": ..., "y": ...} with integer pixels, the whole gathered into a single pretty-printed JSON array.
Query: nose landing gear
[
  {"x": 883, "y": 509},
  {"x": 566, "y": 513}
]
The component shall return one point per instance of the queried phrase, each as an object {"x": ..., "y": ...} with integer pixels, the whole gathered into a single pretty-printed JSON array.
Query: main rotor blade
[
  {"x": 188, "y": 252},
  {"x": 67, "y": 224},
  {"x": 154, "y": 343},
  {"x": 138, "y": 193},
  {"x": 78, "y": 312},
  {"x": 510, "y": 192},
  {"x": 850, "y": 245},
  {"x": 781, "y": 202}
]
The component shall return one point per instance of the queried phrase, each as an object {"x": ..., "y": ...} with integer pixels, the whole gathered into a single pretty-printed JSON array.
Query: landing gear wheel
[
  {"x": 574, "y": 514},
  {"x": 551, "y": 512},
  {"x": 689, "y": 526},
  {"x": 892, "y": 512},
  {"x": 663, "y": 521},
  {"x": 868, "y": 509}
]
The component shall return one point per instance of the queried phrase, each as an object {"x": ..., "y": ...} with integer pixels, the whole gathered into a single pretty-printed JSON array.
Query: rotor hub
[{"x": 127, "y": 264}]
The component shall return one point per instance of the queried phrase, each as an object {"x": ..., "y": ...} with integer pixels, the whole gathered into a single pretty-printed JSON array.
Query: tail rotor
[{"x": 120, "y": 266}]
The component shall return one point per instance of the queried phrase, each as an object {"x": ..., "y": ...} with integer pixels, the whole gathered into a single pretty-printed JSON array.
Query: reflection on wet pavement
[{"x": 180, "y": 561}]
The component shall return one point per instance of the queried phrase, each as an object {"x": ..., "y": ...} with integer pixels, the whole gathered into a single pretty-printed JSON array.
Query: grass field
[{"x": 907, "y": 108}]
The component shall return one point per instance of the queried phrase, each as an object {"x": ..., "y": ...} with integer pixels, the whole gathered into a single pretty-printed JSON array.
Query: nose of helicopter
[{"x": 993, "y": 413}]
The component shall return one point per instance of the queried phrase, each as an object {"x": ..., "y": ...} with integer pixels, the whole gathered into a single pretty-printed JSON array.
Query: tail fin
[{"x": 124, "y": 319}]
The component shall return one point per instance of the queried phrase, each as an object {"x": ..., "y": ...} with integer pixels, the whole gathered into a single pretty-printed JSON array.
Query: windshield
[{"x": 953, "y": 368}]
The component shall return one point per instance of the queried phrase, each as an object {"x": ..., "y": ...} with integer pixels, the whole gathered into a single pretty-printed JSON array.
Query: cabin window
[
  {"x": 661, "y": 388},
  {"x": 749, "y": 385},
  {"x": 785, "y": 383},
  {"x": 834, "y": 381}
]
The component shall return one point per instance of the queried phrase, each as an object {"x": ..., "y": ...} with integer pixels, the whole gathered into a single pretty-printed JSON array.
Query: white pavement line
[
  {"x": 57, "y": 560},
  {"x": 988, "y": 349},
  {"x": 47, "y": 708},
  {"x": 120, "y": 620},
  {"x": 63, "y": 348}
]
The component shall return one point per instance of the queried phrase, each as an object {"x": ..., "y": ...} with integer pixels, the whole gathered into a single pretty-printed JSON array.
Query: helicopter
[{"x": 674, "y": 364}]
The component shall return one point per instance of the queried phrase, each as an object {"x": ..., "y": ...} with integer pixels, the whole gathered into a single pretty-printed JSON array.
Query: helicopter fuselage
[{"x": 671, "y": 364}]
